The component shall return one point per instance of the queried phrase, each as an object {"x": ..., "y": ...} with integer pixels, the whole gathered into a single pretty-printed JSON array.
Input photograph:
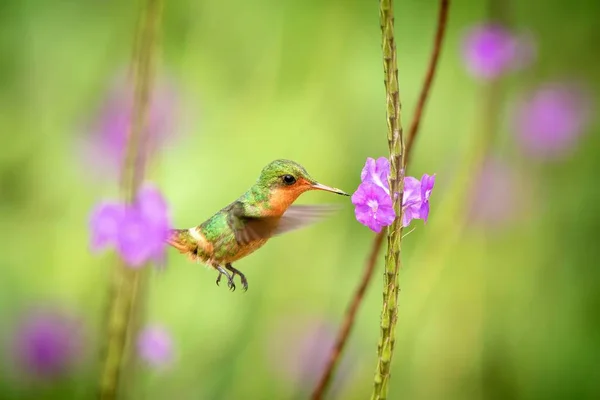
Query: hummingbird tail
[
  {"x": 180, "y": 239},
  {"x": 189, "y": 242}
]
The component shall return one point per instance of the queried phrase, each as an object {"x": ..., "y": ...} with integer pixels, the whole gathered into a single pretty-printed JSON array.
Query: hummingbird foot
[
  {"x": 229, "y": 276},
  {"x": 235, "y": 272}
]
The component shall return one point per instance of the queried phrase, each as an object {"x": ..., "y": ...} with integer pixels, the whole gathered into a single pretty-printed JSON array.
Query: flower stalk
[
  {"x": 438, "y": 40},
  {"x": 127, "y": 286},
  {"x": 389, "y": 311}
]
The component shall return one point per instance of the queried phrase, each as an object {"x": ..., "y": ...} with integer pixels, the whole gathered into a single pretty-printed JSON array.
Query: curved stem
[
  {"x": 127, "y": 285},
  {"x": 431, "y": 70},
  {"x": 356, "y": 300}
]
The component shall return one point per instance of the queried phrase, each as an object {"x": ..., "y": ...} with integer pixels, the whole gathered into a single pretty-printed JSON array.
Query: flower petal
[
  {"x": 416, "y": 198},
  {"x": 491, "y": 50},
  {"x": 104, "y": 225},
  {"x": 136, "y": 240},
  {"x": 154, "y": 209},
  {"x": 424, "y": 211},
  {"x": 155, "y": 346},
  {"x": 373, "y": 206},
  {"x": 359, "y": 197},
  {"x": 48, "y": 343},
  {"x": 377, "y": 172},
  {"x": 550, "y": 121},
  {"x": 152, "y": 205},
  {"x": 105, "y": 144},
  {"x": 409, "y": 213},
  {"x": 367, "y": 169},
  {"x": 412, "y": 191},
  {"x": 427, "y": 183},
  {"x": 496, "y": 196}
]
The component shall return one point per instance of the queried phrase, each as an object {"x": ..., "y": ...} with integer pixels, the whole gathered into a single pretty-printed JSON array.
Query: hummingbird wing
[
  {"x": 298, "y": 216},
  {"x": 250, "y": 228}
]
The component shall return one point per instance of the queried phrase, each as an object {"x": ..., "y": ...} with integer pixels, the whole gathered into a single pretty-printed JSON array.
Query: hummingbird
[{"x": 242, "y": 227}]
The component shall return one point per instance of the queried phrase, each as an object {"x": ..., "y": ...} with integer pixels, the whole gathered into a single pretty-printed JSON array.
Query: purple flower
[
  {"x": 427, "y": 183},
  {"x": 373, "y": 203},
  {"x": 47, "y": 343},
  {"x": 550, "y": 120},
  {"x": 491, "y": 50},
  {"x": 134, "y": 242},
  {"x": 104, "y": 223},
  {"x": 377, "y": 172},
  {"x": 373, "y": 206},
  {"x": 144, "y": 229},
  {"x": 137, "y": 231},
  {"x": 298, "y": 350},
  {"x": 155, "y": 346},
  {"x": 493, "y": 199},
  {"x": 411, "y": 202},
  {"x": 105, "y": 146}
]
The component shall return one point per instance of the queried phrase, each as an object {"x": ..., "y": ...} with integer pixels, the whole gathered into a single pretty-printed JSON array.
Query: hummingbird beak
[{"x": 318, "y": 186}]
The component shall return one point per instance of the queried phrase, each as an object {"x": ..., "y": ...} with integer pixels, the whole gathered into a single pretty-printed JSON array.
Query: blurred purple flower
[
  {"x": 138, "y": 231},
  {"x": 47, "y": 344},
  {"x": 105, "y": 219},
  {"x": 155, "y": 346},
  {"x": 550, "y": 120},
  {"x": 144, "y": 228},
  {"x": 105, "y": 146},
  {"x": 298, "y": 351},
  {"x": 491, "y": 50},
  {"x": 373, "y": 203},
  {"x": 134, "y": 242},
  {"x": 494, "y": 196}
]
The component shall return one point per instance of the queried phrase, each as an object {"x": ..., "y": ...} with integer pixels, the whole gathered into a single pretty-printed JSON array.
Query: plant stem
[
  {"x": 127, "y": 285},
  {"x": 431, "y": 70},
  {"x": 356, "y": 300},
  {"x": 389, "y": 310}
]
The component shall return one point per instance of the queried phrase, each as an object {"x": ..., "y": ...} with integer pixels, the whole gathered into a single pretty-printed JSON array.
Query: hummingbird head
[{"x": 286, "y": 176}]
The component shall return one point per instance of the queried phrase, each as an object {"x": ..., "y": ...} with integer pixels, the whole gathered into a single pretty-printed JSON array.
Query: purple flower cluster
[
  {"x": 298, "y": 347},
  {"x": 155, "y": 346},
  {"x": 550, "y": 120},
  {"x": 373, "y": 202},
  {"x": 491, "y": 50},
  {"x": 105, "y": 146},
  {"x": 138, "y": 231},
  {"x": 47, "y": 343},
  {"x": 493, "y": 199}
]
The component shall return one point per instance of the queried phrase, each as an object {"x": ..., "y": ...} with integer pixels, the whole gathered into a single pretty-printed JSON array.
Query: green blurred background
[{"x": 507, "y": 312}]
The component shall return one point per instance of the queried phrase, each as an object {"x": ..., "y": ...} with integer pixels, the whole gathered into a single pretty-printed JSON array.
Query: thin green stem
[
  {"x": 389, "y": 310},
  {"x": 127, "y": 285}
]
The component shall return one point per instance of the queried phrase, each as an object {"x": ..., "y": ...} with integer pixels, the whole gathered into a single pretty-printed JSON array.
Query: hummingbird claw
[
  {"x": 235, "y": 272},
  {"x": 229, "y": 276}
]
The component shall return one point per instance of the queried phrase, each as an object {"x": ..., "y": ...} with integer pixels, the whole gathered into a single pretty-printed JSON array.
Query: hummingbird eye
[{"x": 288, "y": 179}]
